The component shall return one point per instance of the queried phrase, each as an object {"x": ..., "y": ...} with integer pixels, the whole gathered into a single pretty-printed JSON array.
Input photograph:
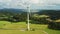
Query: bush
[{"x": 54, "y": 25}]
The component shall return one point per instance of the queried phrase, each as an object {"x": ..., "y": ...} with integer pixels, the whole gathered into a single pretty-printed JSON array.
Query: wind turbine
[{"x": 27, "y": 4}]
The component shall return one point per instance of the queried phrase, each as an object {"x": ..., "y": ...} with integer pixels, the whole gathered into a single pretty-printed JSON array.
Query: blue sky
[{"x": 35, "y": 4}]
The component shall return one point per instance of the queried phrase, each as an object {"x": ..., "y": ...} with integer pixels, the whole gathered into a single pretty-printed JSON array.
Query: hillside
[{"x": 52, "y": 13}]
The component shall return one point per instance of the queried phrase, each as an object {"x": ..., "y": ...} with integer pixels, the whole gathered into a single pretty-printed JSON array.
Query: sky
[{"x": 34, "y": 4}]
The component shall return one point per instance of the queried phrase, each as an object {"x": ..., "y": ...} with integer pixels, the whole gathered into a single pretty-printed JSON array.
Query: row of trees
[
  {"x": 14, "y": 18},
  {"x": 39, "y": 19}
]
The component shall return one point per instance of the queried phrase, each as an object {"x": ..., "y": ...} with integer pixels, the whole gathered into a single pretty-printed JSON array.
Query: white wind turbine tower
[{"x": 27, "y": 4}]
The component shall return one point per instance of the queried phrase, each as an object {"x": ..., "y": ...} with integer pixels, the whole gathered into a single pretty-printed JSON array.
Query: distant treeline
[
  {"x": 54, "y": 14},
  {"x": 13, "y": 15}
]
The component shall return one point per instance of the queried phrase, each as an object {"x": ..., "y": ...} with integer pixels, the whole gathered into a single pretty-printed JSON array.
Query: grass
[
  {"x": 39, "y": 28},
  {"x": 50, "y": 31},
  {"x": 19, "y": 32}
]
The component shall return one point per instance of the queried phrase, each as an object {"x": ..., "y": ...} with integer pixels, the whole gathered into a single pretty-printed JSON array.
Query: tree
[
  {"x": 39, "y": 19},
  {"x": 54, "y": 25}
]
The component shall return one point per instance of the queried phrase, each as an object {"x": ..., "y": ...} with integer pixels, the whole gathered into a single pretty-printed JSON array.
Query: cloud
[{"x": 34, "y": 3}]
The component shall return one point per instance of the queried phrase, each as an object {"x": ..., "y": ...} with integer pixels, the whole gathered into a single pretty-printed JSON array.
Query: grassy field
[{"x": 20, "y": 28}]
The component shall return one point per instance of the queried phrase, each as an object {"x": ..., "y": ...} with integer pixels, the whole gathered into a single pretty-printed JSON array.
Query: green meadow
[{"x": 20, "y": 28}]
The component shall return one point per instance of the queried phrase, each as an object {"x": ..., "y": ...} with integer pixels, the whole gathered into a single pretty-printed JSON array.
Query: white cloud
[{"x": 17, "y": 3}]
